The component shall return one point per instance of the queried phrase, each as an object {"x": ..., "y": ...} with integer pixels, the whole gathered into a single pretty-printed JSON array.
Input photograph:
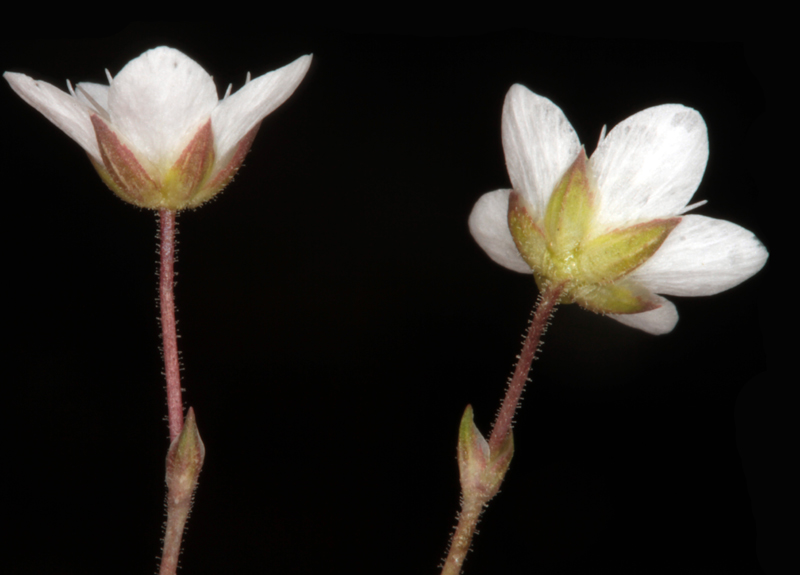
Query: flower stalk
[
  {"x": 483, "y": 464},
  {"x": 471, "y": 510},
  {"x": 545, "y": 308},
  {"x": 160, "y": 138},
  {"x": 169, "y": 332}
]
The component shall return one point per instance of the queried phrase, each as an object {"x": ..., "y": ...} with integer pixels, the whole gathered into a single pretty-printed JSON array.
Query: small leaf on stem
[
  {"x": 184, "y": 461},
  {"x": 481, "y": 471}
]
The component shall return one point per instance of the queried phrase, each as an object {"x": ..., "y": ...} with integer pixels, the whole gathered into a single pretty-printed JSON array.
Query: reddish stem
[
  {"x": 462, "y": 538},
  {"x": 173, "y": 536},
  {"x": 545, "y": 307},
  {"x": 471, "y": 503},
  {"x": 169, "y": 335}
]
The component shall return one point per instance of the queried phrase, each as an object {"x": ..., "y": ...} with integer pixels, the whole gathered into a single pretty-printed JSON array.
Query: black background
[{"x": 336, "y": 317}]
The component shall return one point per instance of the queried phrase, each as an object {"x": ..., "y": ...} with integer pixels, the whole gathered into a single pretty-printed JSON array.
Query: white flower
[
  {"x": 158, "y": 134},
  {"x": 610, "y": 229}
]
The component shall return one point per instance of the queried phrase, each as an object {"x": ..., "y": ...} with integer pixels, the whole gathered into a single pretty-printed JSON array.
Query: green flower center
[{"x": 566, "y": 248}]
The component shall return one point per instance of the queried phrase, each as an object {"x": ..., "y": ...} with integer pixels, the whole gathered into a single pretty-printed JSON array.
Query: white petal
[
  {"x": 539, "y": 144},
  {"x": 702, "y": 256},
  {"x": 97, "y": 96},
  {"x": 488, "y": 224},
  {"x": 159, "y": 100},
  {"x": 650, "y": 165},
  {"x": 658, "y": 321},
  {"x": 239, "y": 113},
  {"x": 60, "y": 108}
]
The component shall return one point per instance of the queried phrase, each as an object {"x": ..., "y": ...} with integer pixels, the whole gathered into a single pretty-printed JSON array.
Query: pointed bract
[
  {"x": 158, "y": 134},
  {"x": 611, "y": 230},
  {"x": 481, "y": 472},
  {"x": 185, "y": 460}
]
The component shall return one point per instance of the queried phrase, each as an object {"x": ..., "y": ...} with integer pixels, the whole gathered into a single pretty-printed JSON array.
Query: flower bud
[
  {"x": 184, "y": 461},
  {"x": 481, "y": 472}
]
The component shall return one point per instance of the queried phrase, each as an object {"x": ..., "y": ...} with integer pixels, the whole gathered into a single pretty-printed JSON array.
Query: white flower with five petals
[
  {"x": 610, "y": 230},
  {"x": 158, "y": 134}
]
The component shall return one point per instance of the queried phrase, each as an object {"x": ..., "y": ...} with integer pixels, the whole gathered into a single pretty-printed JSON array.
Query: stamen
[
  {"x": 97, "y": 107},
  {"x": 110, "y": 78},
  {"x": 247, "y": 80},
  {"x": 69, "y": 86},
  {"x": 228, "y": 91},
  {"x": 693, "y": 206},
  {"x": 602, "y": 136}
]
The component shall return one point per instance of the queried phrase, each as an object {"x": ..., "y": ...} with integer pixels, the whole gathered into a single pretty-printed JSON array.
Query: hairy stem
[
  {"x": 186, "y": 453},
  {"x": 177, "y": 514},
  {"x": 462, "y": 538},
  {"x": 169, "y": 335},
  {"x": 472, "y": 505},
  {"x": 505, "y": 417}
]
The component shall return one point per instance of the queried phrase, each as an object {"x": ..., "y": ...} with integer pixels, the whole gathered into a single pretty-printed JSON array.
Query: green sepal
[
  {"x": 615, "y": 254},
  {"x": 564, "y": 247},
  {"x": 569, "y": 210},
  {"x": 122, "y": 171},
  {"x": 528, "y": 237},
  {"x": 621, "y": 297},
  {"x": 186, "y": 176},
  {"x": 230, "y": 164}
]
